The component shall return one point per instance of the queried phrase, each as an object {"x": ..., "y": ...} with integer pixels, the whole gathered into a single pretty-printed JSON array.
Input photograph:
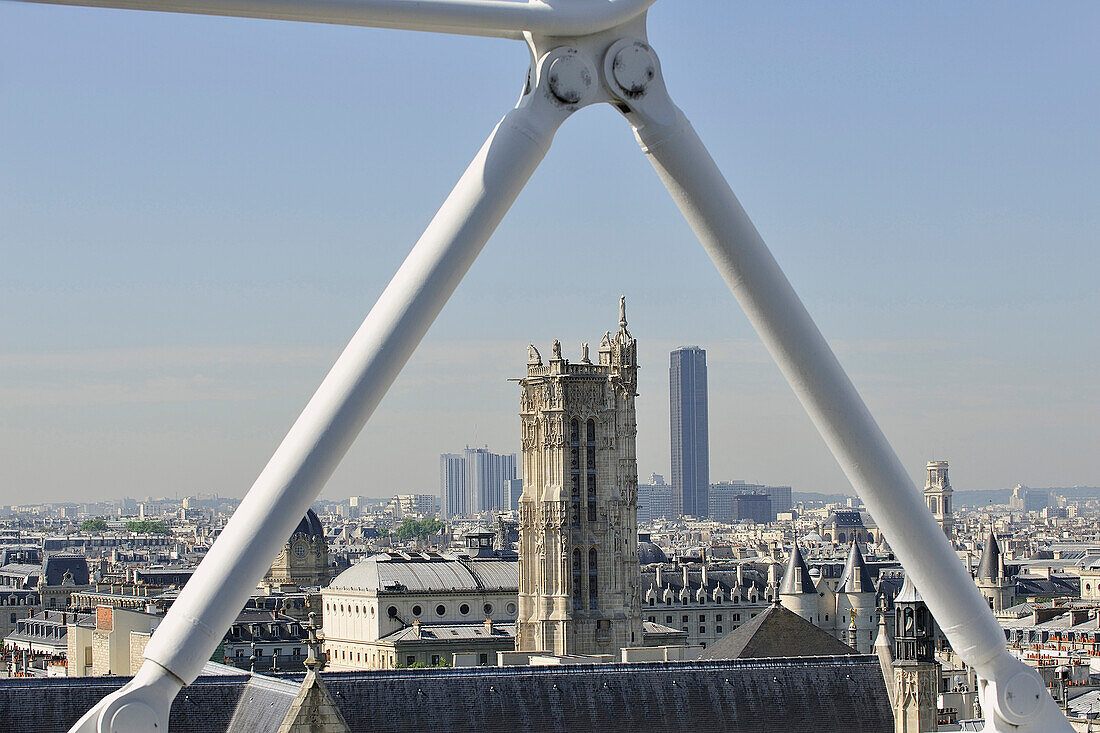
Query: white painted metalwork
[{"x": 584, "y": 52}]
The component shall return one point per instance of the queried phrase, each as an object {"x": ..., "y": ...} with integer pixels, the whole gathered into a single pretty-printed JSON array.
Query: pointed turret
[
  {"x": 856, "y": 578},
  {"x": 796, "y": 578},
  {"x": 991, "y": 566}
]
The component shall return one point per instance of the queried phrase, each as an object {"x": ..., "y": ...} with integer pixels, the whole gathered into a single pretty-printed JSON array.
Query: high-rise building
[
  {"x": 688, "y": 422},
  {"x": 578, "y": 539},
  {"x": 754, "y": 507},
  {"x": 474, "y": 482},
  {"x": 513, "y": 489},
  {"x": 656, "y": 500},
  {"x": 722, "y": 499},
  {"x": 452, "y": 485},
  {"x": 486, "y": 473}
]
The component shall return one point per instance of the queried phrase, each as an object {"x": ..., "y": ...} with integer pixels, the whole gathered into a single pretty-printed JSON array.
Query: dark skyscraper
[{"x": 688, "y": 421}]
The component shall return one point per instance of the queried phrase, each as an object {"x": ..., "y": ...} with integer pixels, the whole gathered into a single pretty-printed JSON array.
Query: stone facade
[
  {"x": 579, "y": 574},
  {"x": 915, "y": 689},
  {"x": 304, "y": 560},
  {"x": 937, "y": 495}
]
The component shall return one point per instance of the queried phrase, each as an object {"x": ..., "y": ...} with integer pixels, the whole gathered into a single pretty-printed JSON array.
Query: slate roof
[
  {"x": 796, "y": 578},
  {"x": 988, "y": 568},
  {"x": 856, "y": 578},
  {"x": 776, "y": 632},
  {"x": 310, "y": 526},
  {"x": 57, "y": 565},
  {"x": 816, "y": 695},
  {"x": 845, "y": 694}
]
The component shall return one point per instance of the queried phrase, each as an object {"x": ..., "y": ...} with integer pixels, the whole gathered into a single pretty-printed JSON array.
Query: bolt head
[
  {"x": 634, "y": 68},
  {"x": 569, "y": 79}
]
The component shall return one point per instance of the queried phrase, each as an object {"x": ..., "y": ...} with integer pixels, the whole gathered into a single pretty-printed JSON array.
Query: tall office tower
[
  {"x": 452, "y": 485},
  {"x": 688, "y": 417},
  {"x": 513, "y": 489},
  {"x": 486, "y": 473},
  {"x": 578, "y": 538},
  {"x": 937, "y": 494},
  {"x": 474, "y": 482}
]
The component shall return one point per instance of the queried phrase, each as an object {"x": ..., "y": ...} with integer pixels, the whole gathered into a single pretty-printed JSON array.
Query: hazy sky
[{"x": 196, "y": 213}]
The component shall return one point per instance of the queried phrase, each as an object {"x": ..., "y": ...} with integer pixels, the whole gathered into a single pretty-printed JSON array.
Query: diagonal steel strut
[{"x": 584, "y": 52}]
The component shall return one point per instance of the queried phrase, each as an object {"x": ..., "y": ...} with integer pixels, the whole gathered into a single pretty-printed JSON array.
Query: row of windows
[
  {"x": 589, "y": 469},
  {"x": 417, "y": 610},
  {"x": 706, "y": 599},
  {"x": 578, "y": 581}
]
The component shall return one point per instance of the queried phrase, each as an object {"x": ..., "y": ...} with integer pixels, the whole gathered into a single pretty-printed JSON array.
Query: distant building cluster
[
  {"x": 729, "y": 587},
  {"x": 476, "y": 481}
]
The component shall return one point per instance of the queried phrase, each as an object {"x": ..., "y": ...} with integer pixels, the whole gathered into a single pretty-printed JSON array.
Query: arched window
[
  {"x": 933, "y": 505},
  {"x": 575, "y": 470},
  {"x": 593, "y": 586},
  {"x": 841, "y": 538},
  {"x": 577, "y": 581},
  {"x": 590, "y": 464}
]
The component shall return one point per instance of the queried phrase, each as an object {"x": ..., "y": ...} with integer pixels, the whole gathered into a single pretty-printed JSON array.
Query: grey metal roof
[
  {"x": 384, "y": 573},
  {"x": 450, "y": 632}
]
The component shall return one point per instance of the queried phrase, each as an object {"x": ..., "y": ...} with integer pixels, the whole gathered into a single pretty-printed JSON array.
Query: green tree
[
  {"x": 147, "y": 526},
  {"x": 99, "y": 524},
  {"x": 419, "y": 528}
]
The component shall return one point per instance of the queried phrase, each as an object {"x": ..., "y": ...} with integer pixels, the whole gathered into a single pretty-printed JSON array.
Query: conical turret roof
[
  {"x": 989, "y": 567},
  {"x": 796, "y": 578},
  {"x": 909, "y": 592},
  {"x": 856, "y": 578}
]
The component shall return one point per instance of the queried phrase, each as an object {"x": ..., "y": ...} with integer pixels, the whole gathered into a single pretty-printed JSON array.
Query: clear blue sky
[{"x": 196, "y": 213}]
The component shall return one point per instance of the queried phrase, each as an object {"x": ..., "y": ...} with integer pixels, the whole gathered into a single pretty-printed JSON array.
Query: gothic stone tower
[
  {"x": 578, "y": 538},
  {"x": 937, "y": 495},
  {"x": 916, "y": 674}
]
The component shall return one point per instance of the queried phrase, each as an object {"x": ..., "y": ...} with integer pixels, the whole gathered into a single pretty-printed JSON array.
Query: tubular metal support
[
  {"x": 498, "y": 18},
  {"x": 329, "y": 424},
  {"x": 832, "y": 402}
]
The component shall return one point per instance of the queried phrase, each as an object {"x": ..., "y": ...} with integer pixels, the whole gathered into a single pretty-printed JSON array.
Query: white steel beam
[
  {"x": 705, "y": 199},
  {"x": 499, "y": 18},
  {"x": 330, "y": 422}
]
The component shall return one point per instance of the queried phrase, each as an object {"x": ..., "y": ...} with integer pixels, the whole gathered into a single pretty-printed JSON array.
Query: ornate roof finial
[
  {"x": 556, "y": 349},
  {"x": 533, "y": 355},
  {"x": 622, "y": 311},
  {"x": 584, "y": 353}
]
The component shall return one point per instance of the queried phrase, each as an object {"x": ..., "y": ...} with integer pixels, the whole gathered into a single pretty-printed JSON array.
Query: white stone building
[{"x": 389, "y": 592}]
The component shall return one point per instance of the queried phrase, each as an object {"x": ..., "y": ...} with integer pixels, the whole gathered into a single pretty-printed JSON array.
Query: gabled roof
[
  {"x": 776, "y": 632},
  {"x": 856, "y": 578},
  {"x": 796, "y": 578}
]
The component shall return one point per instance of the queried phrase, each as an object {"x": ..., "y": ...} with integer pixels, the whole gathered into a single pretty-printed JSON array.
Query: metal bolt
[
  {"x": 634, "y": 68},
  {"x": 569, "y": 78}
]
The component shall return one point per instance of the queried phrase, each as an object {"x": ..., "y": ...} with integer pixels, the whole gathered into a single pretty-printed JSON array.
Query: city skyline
[{"x": 185, "y": 263}]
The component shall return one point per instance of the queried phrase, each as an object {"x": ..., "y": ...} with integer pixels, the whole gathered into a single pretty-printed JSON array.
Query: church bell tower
[
  {"x": 937, "y": 495},
  {"x": 578, "y": 538}
]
